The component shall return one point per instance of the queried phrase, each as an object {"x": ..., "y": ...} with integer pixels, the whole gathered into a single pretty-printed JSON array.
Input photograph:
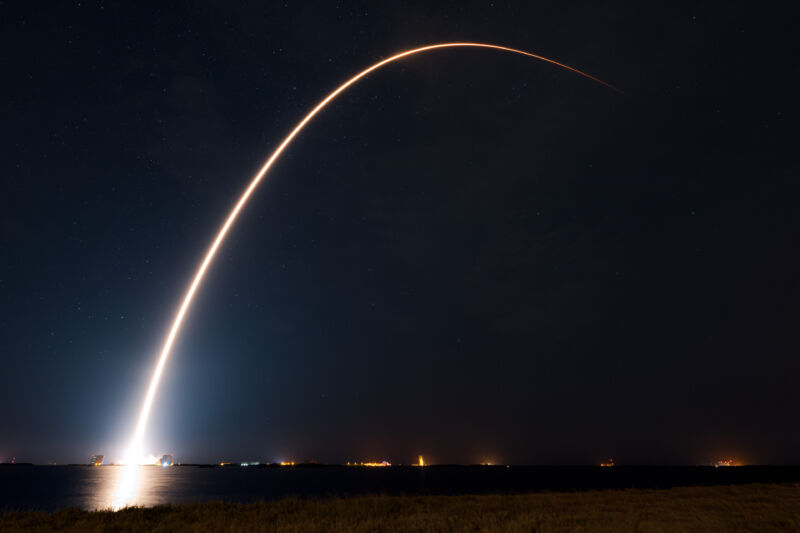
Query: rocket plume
[{"x": 135, "y": 450}]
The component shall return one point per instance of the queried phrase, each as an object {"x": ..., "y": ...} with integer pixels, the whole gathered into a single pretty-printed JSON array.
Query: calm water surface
[{"x": 58, "y": 487}]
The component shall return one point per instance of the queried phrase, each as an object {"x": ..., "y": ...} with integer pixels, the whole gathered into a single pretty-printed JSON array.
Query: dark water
[{"x": 57, "y": 487}]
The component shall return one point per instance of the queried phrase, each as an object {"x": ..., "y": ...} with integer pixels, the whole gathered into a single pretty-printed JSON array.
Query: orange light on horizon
[
  {"x": 371, "y": 464},
  {"x": 382, "y": 463}
]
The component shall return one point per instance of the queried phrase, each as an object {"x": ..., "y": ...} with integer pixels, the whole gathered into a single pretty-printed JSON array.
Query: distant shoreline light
[{"x": 370, "y": 464}]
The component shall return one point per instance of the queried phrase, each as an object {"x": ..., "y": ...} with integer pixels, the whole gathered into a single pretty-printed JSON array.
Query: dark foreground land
[{"x": 755, "y": 507}]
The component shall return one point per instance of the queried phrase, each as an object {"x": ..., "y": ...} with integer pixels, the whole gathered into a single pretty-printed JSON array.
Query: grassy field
[{"x": 756, "y": 508}]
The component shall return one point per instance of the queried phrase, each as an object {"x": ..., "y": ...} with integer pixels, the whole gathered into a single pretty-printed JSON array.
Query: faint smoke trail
[{"x": 135, "y": 452}]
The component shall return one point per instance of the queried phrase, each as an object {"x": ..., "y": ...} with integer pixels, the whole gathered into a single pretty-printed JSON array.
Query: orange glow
[
  {"x": 382, "y": 463},
  {"x": 371, "y": 464},
  {"x": 421, "y": 461},
  {"x": 287, "y": 463},
  {"x": 135, "y": 448}
]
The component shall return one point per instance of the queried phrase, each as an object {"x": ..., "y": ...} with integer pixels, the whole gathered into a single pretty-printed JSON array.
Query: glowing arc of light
[{"x": 134, "y": 450}]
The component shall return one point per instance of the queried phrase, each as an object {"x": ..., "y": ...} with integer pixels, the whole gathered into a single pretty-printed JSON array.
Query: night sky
[{"x": 470, "y": 255}]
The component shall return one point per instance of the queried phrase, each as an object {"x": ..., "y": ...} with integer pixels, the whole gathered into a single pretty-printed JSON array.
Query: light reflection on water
[
  {"x": 58, "y": 487},
  {"x": 133, "y": 485}
]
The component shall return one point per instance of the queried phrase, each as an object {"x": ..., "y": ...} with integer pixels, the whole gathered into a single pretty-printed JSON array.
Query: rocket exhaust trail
[{"x": 134, "y": 452}]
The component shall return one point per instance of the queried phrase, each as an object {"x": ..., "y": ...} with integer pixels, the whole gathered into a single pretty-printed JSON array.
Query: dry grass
[{"x": 755, "y": 508}]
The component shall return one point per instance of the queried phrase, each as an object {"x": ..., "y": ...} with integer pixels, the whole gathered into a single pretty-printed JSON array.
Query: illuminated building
[
  {"x": 96, "y": 460},
  {"x": 421, "y": 461},
  {"x": 725, "y": 462},
  {"x": 609, "y": 463},
  {"x": 166, "y": 460}
]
